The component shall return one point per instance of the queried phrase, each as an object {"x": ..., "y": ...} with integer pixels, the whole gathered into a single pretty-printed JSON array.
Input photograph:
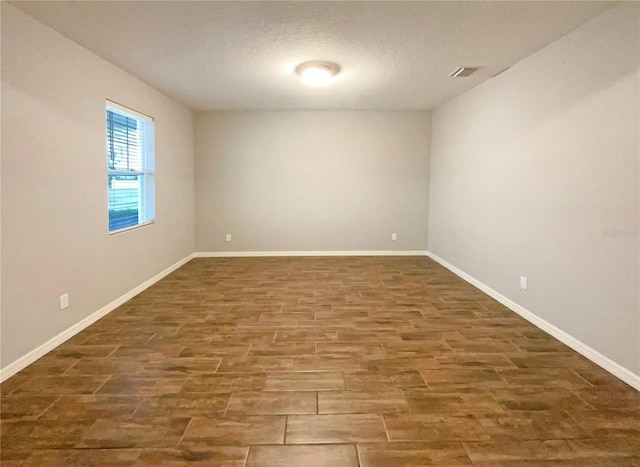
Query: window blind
[{"x": 131, "y": 167}]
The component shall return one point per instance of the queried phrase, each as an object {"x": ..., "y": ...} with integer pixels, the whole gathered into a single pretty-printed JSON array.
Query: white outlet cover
[
  {"x": 228, "y": 237},
  {"x": 523, "y": 282},
  {"x": 394, "y": 236},
  {"x": 64, "y": 301}
]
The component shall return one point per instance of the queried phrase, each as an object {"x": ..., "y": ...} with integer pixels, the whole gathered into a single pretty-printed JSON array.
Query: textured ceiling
[{"x": 242, "y": 55}]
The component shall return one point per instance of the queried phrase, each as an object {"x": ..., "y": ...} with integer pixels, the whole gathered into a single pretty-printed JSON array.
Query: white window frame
[{"x": 146, "y": 207}]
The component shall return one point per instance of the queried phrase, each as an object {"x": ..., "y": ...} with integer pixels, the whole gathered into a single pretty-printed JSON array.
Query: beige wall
[
  {"x": 54, "y": 191},
  {"x": 535, "y": 173},
  {"x": 311, "y": 181}
]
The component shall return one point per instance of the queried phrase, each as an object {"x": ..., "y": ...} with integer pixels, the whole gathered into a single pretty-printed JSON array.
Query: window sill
[{"x": 133, "y": 227}]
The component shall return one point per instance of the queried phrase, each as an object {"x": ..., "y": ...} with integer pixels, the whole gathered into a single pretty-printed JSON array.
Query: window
[{"x": 131, "y": 168}]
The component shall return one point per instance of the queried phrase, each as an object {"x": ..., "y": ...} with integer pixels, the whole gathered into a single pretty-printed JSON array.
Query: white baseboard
[
  {"x": 242, "y": 254},
  {"x": 612, "y": 367},
  {"x": 22, "y": 362}
]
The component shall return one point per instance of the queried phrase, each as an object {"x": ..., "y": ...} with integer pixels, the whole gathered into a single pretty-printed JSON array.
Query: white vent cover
[{"x": 463, "y": 72}]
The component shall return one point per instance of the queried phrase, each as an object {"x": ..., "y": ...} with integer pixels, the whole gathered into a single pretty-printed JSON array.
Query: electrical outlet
[
  {"x": 228, "y": 237},
  {"x": 64, "y": 301},
  {"x": 523, "y": 282},
  {"x": 394, "y": 237}
]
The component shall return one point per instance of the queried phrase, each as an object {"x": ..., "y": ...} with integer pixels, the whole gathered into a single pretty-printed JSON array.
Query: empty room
[{"x": 310, "y": 233}]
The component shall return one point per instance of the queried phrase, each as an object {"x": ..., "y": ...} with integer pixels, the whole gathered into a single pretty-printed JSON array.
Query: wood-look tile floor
[{"x": 316, "y": 362}]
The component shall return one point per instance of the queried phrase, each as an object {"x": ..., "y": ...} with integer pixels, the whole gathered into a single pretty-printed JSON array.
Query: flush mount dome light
[{"x": 317, "y": 73}]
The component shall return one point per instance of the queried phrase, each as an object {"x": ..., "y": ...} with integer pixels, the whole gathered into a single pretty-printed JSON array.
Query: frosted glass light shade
[{"x": 317, "y": 74}]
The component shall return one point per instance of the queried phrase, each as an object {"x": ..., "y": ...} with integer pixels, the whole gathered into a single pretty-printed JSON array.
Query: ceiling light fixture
[{"x": 317, "y": 73}]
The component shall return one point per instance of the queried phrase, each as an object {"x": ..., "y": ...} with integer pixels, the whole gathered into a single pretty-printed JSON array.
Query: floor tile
[
  {"x": 320, "y": 429},
  {"x": 544, "y": 377},
  {"x": 255, "y": 363},
  {"x": 242, "y": 431},
  {"x": 606, "y": 447},
  {"x": 532, "y": 424},
  {"x": 461, "y": 378},
  {"x": 272, "y": 403},
  {"x": 520, "y": 450},
  {"x": 610, "y": 398},
  {"x": 305, "y": 381},
  {"x": 75, "y": 351},
  {"x": 220, "y": 456},
  {"x": 43, "y": 434},
  {"x": 83, "y": 457},
  {"x": 91, "y": 406},
  {"x": 334, "y": 455},
  {"x": 49, "y": 366},
  {"x": 59, "y": 385},
  {"x": 137, "y": 432},
  {"x": 105, "y": 367},
  {"x": 607, "y": 424},
  {"x": 184, "y": 405},
  {"x": 346, "y": 349},
  {"x": 413, "y": 454},
  {"x": 361, "y": 402},
  {"x": 224, "y": 383},
  {"x": 22, "y": 406},
  {"x": 385, "y": 379},
  {"x": 538, "y": 398},
  {"x": 13, "y": 383},
  {"x": 451, "y": 402},
  {"x": 306, "y": 336},
  {"x": 578, "y": 462},
  {"x": 430, "y": 427},
  {"x": 142, "y": 386},
  {"x": 282, "y": 348}
]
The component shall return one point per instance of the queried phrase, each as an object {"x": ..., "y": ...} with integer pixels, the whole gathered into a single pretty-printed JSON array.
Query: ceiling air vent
[{"x": 464, "y": 71}]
